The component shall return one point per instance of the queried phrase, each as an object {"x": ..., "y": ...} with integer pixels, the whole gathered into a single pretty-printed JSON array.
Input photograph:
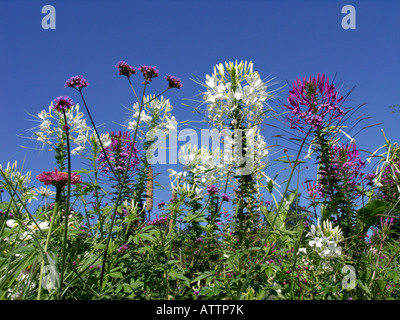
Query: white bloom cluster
[
  {"x": 156, "y": 113},
  {"x": 235, "y": 91},
  {"x": 236, "y": 99},
  {"x": 201, "y": 168},
  {"x": 51, "y": 128},
  {"x": 325, "y": 239},
  {"x": 12, "y": 173}
]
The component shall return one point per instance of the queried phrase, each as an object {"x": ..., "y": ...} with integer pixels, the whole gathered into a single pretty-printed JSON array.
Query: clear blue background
[{"x": 285, "y": 39}]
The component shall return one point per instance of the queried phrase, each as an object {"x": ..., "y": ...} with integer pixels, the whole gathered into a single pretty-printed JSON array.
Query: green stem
[
  {"x": 273, "y": 222},
  {"x": 53, "y": 217},
  {"x": 121, "y": 185},
  {"x": 66, "y": 213}
]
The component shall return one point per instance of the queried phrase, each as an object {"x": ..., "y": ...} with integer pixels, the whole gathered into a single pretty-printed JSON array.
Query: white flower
[
  {"x": 12, "y": 223},
  {"x": 41, "y": 225},
  {"x": 302, "y": 250},
  {"x": 44, "y": 191}
]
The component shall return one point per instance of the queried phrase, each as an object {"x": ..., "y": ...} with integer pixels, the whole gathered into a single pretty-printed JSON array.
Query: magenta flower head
[
  {"x": 173, "y": 82},
  {"x": 77, "y": 82},
  {"x": 149, "y": 73},
  {"x": 62, "y": 103},
  {"x": 211, "y": 190},
  {"x": 58, "y": 179},
  {"x": 125, "y": 69},
  {"x": 313, "y": 102},
  {"x": 225, "y": 197}
]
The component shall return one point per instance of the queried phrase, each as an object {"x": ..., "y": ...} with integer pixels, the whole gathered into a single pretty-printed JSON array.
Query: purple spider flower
[
  {"x": 77, "y": 82},
  {"x": 311, "y": 101},
  {"x": 225, "y": 197},
  {"x": 118, "y": 153},
  {"x": 173, "y": 82},
  {"x": 62, "y": 103},
  {"x": 125, "y": 69}
]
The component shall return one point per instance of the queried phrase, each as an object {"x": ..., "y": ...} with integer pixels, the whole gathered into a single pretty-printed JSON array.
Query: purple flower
[
  {"x": 200, "y": 239},
  {"x": 148, "y": 73},
  {"x": 118, "y": 153},
  {"x": 125, "y": 69},
  {"x": 77, "y": 82},
  {"x": 173, "y": 82},
  {"x": 62, "y": 103},
  {"x": 161, "y": 204},
  {"x": 123, "y": 248},
  {"x": 211, "y": 190},
  {"x": 225, "y": 197},
  {"x": 158, "y": 221},
  {"x": 196, "y": 292},
  {"x": 312, "y": 102}
]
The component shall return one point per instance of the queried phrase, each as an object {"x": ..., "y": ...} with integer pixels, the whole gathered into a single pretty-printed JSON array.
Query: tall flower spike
[{"x": 311, "y": 101}]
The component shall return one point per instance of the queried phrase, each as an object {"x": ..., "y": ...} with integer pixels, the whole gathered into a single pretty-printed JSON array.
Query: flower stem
[
  {"x": 53, "y": 217},
  {"x": 98, "y": 136},
  {"x": 273, "y": 222},
  {"x": 121, "y": 186},
  {"x": 66, "y": 213}
]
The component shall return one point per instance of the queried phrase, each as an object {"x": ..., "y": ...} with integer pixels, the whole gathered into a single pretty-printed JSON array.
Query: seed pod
[{"x": 149, "y": 191}]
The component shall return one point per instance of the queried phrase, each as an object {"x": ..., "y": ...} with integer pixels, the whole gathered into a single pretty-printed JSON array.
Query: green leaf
[
  {"x": 116, "y": 274},
  {"x": 370, "y": 214},
  {"x": 270, "y": 217}
]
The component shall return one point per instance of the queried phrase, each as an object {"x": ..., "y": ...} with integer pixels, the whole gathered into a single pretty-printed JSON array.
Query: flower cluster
[
  {"x": 62, "y": 103},
  {"x": 118, "y": 153},
  {"x": 212, "y": 190},
  {"x": 51, "y": 124},
  {"x": 156, "y": 114},
  {"x": 313, "y": 102},
  {"x": 173, "y": 82},
  {"x": 325, "y": 239},
  {"x": 235, "y": 91},
  {"x": 58, "y": 179},
  {"x": 76, "y": 82},
  {"x": 149, "y": 73},
  {"x": 158, "y": 221},
  {"x": 123, "y": 248},
  {"x": 125, "y": 69}
]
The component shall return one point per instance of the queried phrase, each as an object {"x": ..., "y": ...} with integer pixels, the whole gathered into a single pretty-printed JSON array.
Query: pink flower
[
  {"x": 77, "y": 82},
  {"x": 313, "y": 102},
  {"x": 125, "y": 69},
  {"x": 62, "y": 103},
  {"x": 173, "y": 82},
  {"x": 57, "y": 178}
]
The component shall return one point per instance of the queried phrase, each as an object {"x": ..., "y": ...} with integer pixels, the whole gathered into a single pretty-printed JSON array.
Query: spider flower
[{"x": 313, "y": 102}]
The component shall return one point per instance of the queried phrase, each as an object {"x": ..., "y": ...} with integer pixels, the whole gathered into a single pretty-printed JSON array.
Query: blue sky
[{"x": 285, "y": 39}]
